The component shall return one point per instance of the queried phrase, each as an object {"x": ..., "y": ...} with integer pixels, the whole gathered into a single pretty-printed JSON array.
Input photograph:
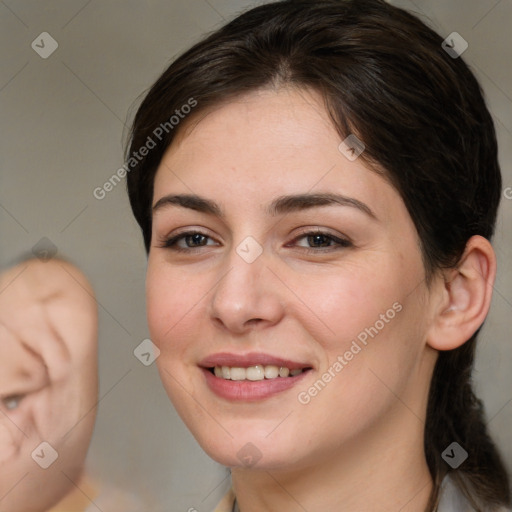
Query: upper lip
[{"x": 249, "y": 359}]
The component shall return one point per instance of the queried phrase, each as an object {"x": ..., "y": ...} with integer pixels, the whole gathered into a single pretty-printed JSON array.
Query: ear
[{"x": 465, "y": 296}]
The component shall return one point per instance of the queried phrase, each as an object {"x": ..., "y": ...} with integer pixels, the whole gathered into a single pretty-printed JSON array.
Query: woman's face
[{"x": 300, "y": 258}]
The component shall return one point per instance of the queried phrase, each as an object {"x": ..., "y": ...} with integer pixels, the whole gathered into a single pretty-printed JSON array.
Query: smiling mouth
[{"x": 255, "y": 373}]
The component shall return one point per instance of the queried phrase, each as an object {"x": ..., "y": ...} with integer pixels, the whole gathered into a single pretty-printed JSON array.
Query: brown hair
[{"x": 385, "y": 77}]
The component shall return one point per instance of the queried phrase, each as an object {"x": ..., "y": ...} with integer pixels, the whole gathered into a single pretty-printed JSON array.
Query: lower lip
[{"x": 247, "y": 390}]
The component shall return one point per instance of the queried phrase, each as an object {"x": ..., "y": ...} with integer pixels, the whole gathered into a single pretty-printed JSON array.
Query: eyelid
[
  {"x": 340, "y": 241},
  {"x": 317, "y": 230},
  {"x": 170, "y": 241}
]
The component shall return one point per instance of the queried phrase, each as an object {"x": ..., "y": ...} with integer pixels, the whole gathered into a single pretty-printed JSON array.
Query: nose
[{"x": 247, "y": 297}]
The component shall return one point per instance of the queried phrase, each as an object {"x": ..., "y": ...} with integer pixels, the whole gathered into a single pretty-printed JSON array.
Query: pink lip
[
  {"x": 246, "y": 390},
  {"x": 250, "y": 359}
]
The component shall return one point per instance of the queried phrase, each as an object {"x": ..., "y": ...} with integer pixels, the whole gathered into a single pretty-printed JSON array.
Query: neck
[{"x": 384, "y": 469}]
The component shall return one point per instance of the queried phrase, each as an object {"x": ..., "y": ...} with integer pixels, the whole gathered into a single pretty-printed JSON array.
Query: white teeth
[
  {"x": 271, "y": 372},
  {"x": 254, "y": 373},
  {"x": 284, "y": 372},
  {"x": 237, "y": 373},
  {"x": 225, "y": 372}
]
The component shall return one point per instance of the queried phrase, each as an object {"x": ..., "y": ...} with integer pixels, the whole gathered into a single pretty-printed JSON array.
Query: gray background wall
[{"x": 63, "y": 124}]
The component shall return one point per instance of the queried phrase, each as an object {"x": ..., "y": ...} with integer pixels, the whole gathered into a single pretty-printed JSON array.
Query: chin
[{"x": 256, "y": 454}]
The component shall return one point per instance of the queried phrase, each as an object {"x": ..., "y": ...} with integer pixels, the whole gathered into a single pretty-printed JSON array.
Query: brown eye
[
  {"x": 195, "y": 240},
  {"x": 188, "y": 241},
  {"x": 320, "y": 240}
]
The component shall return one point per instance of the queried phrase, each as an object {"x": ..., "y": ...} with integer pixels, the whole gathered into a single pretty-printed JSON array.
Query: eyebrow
[{"x": 279, "y": 206}]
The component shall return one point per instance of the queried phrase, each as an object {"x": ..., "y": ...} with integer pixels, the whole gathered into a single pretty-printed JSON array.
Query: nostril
[{"x": 254, "y": 320}]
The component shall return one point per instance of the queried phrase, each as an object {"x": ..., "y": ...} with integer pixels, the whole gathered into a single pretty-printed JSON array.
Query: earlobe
[{"x": 467, "y": 294}]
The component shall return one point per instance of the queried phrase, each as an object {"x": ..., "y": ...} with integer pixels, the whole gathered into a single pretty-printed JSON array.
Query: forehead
[{"x": 264, "y": 144}]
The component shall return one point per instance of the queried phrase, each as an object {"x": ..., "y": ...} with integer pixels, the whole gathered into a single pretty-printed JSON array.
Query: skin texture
[
  {"x": 358, "y": 441},
  {"x": 48, "y": 359}
]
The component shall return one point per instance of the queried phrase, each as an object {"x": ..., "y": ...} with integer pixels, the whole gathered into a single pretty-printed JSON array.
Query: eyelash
[{"x": 343, "y": 243}]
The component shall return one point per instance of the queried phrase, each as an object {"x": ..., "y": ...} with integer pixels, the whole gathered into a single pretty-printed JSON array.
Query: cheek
[
  {"x": 158, "y": 297},
  {"x": 369, "y": 318},
  {"x": 346, "y": 302},
  {"x": 172, "y": 301},
  {"x": 378, "y": 334}
]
